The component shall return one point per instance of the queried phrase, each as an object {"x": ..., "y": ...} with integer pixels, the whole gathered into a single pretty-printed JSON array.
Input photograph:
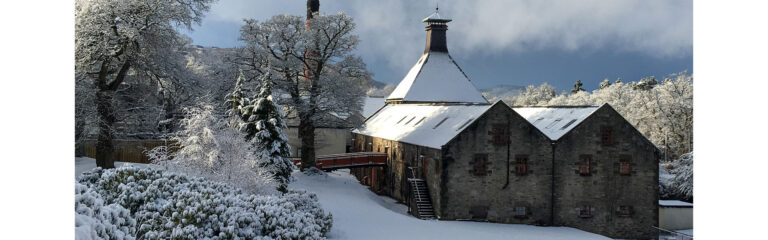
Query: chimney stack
[{"x": 436, "y": 27}]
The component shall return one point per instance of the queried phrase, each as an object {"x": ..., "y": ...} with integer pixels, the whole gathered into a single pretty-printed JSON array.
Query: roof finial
[{"x": 437, "y": 6}]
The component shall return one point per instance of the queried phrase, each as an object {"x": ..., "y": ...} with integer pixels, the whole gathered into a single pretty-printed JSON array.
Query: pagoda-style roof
[{"x": 436, "y": 78}]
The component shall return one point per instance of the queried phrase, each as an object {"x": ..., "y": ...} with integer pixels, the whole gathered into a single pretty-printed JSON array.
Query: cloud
[{"x": 392, "y": 33}]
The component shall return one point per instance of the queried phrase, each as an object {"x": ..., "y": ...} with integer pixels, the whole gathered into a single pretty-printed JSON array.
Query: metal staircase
[{"x": 420, "y": 195}]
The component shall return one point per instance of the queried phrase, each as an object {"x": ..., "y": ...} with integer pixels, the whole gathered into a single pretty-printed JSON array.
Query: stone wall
[
  {"x": 466, "y": 195},
  {"x": 604, "y": 190}
]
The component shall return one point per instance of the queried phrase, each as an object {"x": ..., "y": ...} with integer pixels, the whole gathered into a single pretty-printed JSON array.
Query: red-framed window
[
  {"x": 480, "y": 165},
  {"x": 520, "y": 212},
  {"x": 585, "y": 165},
  {"x": 606, "y": 135},
  {"x": 624, "y": 211},
  {"x": 625, "y": 166},
  {"x": 521, "y": 165},
  {"x": 585, "y": 212}
]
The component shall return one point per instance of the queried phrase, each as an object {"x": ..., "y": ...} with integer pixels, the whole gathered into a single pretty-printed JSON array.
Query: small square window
[
  {"x": 520, "y": 212},
  {"x": 585, "y": 166},
  {"x": 625, "y": 166},
  {"x": 585, "y": 212},
  {"x": 480, "y": 165},
  {"x": 624, "y": 211},
  {"x": 521, "y": 165}
]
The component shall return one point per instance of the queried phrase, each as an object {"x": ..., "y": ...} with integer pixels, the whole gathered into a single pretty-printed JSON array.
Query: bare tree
[
  {"x": 116, "y": 38},
  {"x": 312, "y": 65}
]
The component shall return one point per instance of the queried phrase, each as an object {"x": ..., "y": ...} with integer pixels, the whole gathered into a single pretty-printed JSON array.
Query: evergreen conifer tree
[
  {"x": 263, "y": 125},
  {"x": 577, "y": 87}
]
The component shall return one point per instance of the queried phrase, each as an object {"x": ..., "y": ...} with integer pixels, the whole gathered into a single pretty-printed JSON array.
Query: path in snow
[{"x": 360, "y": 214}]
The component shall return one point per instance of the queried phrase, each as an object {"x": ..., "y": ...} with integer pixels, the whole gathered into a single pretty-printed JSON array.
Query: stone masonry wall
[
  {"x": 605, "y": 190},
  {"x": 466, "y": 195}
]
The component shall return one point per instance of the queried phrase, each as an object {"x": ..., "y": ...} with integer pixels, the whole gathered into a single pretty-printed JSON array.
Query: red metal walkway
[{"x": 348, "y": 160}]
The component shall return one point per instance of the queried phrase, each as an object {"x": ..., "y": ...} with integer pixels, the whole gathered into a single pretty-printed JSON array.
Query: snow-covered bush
[
  {"x": 94, "y": 219},
  {"x": 210, "y": 148},
  {"x": 682, "y": 169},
  {"x": 153, "y": 204}
]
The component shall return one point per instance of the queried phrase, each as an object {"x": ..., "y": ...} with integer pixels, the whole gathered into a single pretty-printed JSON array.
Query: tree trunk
[
  {"x": 104, "y": 147},
  {"x": 79, "y": 132},
  {"x": 307, "y": 135}
]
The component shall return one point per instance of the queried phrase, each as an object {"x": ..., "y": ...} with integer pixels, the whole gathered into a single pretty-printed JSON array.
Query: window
[
  {"x": 553, "y": 123},
  {"x": 406, "y": 123},
  {"x": 499, "y": 134},
  {"x": 480, "y": 165},
  {"x": 585, "y": 212},
  {"x": 465, "y": 124},
  {"x": 521, "y": 165},
  {"x": 624, "y": 211},
  {"x": 568, "y": 124},
  {"x": 624, "y": 165},
  {"x": 606, "y": 134},
  {"x": 417, "y": 123},
  {"x": 520, "y": 212},
  {"x": 441, "y": 122},
  {"x": 585, "y": 166},
  {"x": 398, "y": 122}
]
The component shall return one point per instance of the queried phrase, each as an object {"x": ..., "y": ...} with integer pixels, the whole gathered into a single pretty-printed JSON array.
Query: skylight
[
  {"x": 465, "y": 124},
  {"x": 537, "y": 121},
  {"x": 441, "y": 122},
  {"x": 406, "y": 123},
  {"x": 568, "y": 124},
  {"x": 398, "y": 122},
  {"x": 417, "y": 123},
  {"x": 553, "y": 123}
]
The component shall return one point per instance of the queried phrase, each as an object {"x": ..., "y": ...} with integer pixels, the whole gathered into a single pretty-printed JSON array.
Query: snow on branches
[
  {"x": 210, "y": 148},
  {"x": 129, "y": 203},
  {"x": 263, "y": 124},
  {"x": 663, "y": 112}
]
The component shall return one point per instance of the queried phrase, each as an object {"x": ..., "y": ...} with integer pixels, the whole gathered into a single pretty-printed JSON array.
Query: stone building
[{"x": 455, "y": 156}]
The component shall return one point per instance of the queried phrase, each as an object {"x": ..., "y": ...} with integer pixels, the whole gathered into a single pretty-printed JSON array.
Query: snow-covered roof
[
  {"x": 371, "y": 105},
  {"x": 435, "y": 17},
  {"x": 555, "y": 121},
  {"x": 436, "y": 78},
  {"x": 675, "y": 203},
  {"x": 421, "y": 124}
]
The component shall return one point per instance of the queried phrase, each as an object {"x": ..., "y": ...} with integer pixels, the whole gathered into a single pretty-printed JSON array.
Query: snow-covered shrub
[
  {"x": 172, "y": 206},
  {"x": 682, "y": 169},
  {"x": 210, "y": 148},
  {"x": 94, "y": 219}
]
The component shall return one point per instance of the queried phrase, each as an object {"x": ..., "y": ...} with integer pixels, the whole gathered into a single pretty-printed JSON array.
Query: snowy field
[{"x": 360, "y": 214}]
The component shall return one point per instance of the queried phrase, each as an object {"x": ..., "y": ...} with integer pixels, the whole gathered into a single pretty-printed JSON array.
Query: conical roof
[{"x": 436, "y": 78}]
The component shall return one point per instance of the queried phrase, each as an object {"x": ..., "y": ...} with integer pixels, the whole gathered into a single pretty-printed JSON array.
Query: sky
[{"x": 499, "y": 42}]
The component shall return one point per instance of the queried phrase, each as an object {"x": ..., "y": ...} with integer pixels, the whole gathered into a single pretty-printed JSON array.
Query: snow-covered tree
[
  {"x": 605, "y": 83},
  {"x": 682, "y": 169},
  {"x": 262, "y": 122},
  {"x": 381, "y": 92},
  {"x": 116, "y": 38},
  {"x": 312, "y": 66},
  {"x": 210, "y": 148},
  {"x": 533, "y": 96},
  {"x": 663, "y": 112}
]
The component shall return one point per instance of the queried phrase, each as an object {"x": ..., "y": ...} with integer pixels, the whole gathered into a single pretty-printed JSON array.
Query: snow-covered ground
[{"x": 360, "y": 214}]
